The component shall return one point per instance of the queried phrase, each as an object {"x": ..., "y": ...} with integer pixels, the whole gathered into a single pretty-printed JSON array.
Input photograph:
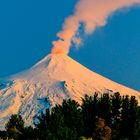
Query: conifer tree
[
  {"x": 137, "y": 126},
  {"x": 133, "y": 116},
  {"x": 116, "y": 100},
  {"x": 125, "y": 115},
  {"x": 90, "y": 113},
  {"x": 105, "y": 108},
  {"x": 73, "y": 115},
  {"x": 15, "y": 127}
]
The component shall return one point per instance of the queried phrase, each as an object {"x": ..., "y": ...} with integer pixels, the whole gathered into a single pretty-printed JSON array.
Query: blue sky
[{"x": 28, "y": 27}]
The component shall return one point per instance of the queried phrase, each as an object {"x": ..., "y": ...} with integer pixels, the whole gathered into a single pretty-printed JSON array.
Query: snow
[{"x": 53, "y": 79}]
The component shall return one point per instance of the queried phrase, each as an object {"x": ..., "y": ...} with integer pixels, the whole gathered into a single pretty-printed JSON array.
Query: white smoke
[{"x": 90, "y": 13}]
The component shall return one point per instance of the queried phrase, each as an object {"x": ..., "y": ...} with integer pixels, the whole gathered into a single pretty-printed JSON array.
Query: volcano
[{"x": 46, "y": 84}]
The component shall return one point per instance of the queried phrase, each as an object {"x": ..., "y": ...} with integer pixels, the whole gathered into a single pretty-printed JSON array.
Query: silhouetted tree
[
  {"x": 30, "y": 133},
  {"x": 73, "y": 115},
  {"x": 105, "y": 108},
  {"x": 44, "y": 121},
  {"x": 90, "y": 113},
  {"x": 98, "y": 118},
  {"x": 53, "y": 125},
  {"x": 116, "y": 100},
  {"x": 15, "y": 127},
  {"x": 133, "y": 117},
  {"x": 128, "y": 117},
  {"x": 137, "y": 126},
  {"x": 125, "y": 117}
]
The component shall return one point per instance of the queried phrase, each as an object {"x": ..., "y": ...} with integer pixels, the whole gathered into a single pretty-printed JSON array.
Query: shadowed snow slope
[{"x": 53, "y": 79}]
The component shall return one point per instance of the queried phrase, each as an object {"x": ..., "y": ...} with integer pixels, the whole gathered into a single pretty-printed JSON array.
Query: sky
[{"x": 27, "y": 29}]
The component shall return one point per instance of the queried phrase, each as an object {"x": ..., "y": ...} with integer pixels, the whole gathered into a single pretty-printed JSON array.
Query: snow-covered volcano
[{"x": 53, "y": 79}]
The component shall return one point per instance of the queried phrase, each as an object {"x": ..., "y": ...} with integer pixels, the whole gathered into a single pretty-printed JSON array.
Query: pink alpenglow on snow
[
  {"x": 92, "y": 14},
  {"x": 49, "y": 82}
]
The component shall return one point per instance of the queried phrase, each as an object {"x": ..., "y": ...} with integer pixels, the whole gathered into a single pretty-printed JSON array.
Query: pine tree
[
  {"x": 105, "y": 108},
  {"x": 55, "y": 127},
  {"x": 73, "y": 115},
  {"x": 133, "y": 116},
  {"x": 15, "y": 127},
  {"x": 125, "y": 115},
  {"x": 137, "y": 126},
  {"x": 42, "y": 124},
  {"x": 90, "y": 113},
  {"x": 116, "y": 107},
  {"x": 116, "y": 100},
  {"x": 30, "y": 133}
]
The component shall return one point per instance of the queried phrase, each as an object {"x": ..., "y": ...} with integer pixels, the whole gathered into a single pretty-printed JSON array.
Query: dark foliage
[
  {"x": 90, "y": 112},
  {"x": 105, "y": 117}
]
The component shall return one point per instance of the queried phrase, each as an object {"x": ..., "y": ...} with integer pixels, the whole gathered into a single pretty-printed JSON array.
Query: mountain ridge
[{"x": 54, "y": 78}]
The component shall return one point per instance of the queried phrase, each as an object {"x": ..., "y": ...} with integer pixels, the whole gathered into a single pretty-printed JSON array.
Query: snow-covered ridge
[{"x": 53, "y": 79}]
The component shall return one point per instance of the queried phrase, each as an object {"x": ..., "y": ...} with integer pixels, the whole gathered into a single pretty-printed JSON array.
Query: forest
[{"x": 105, "y": 117}]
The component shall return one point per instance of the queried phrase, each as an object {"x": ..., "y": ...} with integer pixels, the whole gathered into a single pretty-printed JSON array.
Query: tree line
[{"x": 105, "y": 117}]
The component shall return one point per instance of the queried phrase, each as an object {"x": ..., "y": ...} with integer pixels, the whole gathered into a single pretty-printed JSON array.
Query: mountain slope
[{"x": 53, "y": 79}]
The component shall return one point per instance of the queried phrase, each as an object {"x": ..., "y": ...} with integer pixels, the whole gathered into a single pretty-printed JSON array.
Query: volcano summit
[{"x": 53, "y": 79}]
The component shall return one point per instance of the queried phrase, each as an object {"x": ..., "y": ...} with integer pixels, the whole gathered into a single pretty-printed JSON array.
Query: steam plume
[{"x": 91, "y": 13}]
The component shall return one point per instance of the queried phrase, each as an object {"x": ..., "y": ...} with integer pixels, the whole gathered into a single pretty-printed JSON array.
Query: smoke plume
[{"x": 90, "y": 13}]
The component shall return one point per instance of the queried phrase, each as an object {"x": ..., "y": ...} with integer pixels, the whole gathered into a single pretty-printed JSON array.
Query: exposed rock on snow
[{"x": 53, "y": 79}]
